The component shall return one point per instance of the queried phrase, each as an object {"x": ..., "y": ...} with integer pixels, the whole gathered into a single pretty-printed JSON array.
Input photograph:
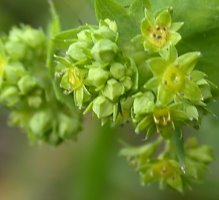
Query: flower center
[
  {"x": 173, "y": 79},
  {"x": 163, "y": 169},
  {"x": 158, "y": 36},
  {"x": 74, "y": 80},
  {"x": 162, "y": 117}
]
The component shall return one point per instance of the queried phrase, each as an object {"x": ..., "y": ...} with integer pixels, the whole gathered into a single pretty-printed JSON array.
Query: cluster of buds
[
  {"x": 96, "y": 72},
  {"x": 25, "y": 86}
]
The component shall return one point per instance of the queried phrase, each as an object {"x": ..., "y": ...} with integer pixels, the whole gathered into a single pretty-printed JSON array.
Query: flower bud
[
  {"x": 34, "y": 101},
  {"x": 67, "y": 125},
  {"x": 26, "y": 84},
  {"x": 13, "y": 72},
  {"x": 117, "y": 70},
  {"x": 97, "y": 76},
  {"x": 113, "y": 89},
  {"x": 127, "y": 83},
  {"x": 16, "y": 50},
  {"x": 85, "y": 36},
  {"x": 143, "y": 103},
  {"x": 78, "y": 51},
  {"x": 109, "y": 23},
  {"x": 102, "y": 107},
  {"x": 40, "y": 122},
  {"x": 32, "y": 37},
  {"x": 15, "y": 34},
  {"x": 9, "y": 96},
  {"x": 107, "y": 30},
  {"x": 104, "y": 50}
]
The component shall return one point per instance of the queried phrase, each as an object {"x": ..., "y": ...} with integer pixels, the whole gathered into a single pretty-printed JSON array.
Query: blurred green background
[{"x": 90, "y": 169}]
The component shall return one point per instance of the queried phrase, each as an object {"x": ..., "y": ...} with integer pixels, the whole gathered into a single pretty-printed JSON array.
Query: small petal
[
  {"x": 176, "y": 26},
  {"x": 79, "y": 97},
  {"x": 152, "y": 84},
  {"x": 158, "y": 66},
  {"x": 197, "y": 75},
  {"x": 149, "y": 16},
  {"x": 144, "y": 103},
  {"x": 188, "y": 61},
  {"x": 175, "y": 182},
  {"x": 174, "y": 38},
  {"x": 148, "y": 46},
  {"x": 143, "y": 124},
  {"x": 113, "y": 89},
  {"x": 164, "y": 18},
  {"x": 146, "y": 27},
  {"x": 165, "y": 96},
  {"x": 192, "y": 112},
  {"x": 192, "y": 92},
  {"x": 102, "y": 107},
  {"x": 170, "y": 54}
]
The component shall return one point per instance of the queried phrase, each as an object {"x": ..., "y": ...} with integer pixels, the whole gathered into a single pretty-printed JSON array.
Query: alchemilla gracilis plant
[{"x": 125, "y": 69}]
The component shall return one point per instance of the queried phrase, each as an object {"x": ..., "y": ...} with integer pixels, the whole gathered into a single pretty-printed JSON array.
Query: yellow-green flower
[
  {"x": 149, "y": 115},
  {"x": 72, "y": 81},
  {"x": 175, "y": 78},
  {"x": 159, "y": 32}
]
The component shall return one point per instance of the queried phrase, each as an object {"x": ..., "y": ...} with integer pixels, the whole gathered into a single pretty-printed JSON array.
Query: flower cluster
[
  {"x": 173, "y": 96},
  {"x": 97, "y": 73},
  {"x": 146, "y": 82},
  {"x": 119, "y": 75},
  {"x": 24, "y": 86},
  {"x": 162, "y": 167}
]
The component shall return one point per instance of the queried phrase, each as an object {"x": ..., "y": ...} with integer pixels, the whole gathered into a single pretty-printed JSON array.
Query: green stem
[
  {"x": 178, "y": 145},
  {"x": 95, "y": 166}
]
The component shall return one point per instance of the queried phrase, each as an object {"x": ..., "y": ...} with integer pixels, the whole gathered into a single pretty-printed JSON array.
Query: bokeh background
[{"x": 90, "y": 169}]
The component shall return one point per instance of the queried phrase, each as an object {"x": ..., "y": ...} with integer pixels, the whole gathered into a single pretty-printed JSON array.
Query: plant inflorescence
[{"x": 127, "y": 68}]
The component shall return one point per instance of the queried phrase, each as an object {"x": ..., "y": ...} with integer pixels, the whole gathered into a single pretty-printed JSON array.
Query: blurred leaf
[{"x": 137, "y": 9}]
